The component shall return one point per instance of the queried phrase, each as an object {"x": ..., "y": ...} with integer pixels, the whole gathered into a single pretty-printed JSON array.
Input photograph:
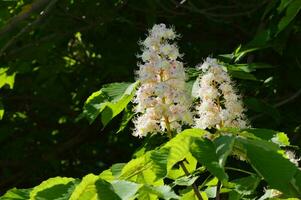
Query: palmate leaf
[
  {"x": 108, "y": 101},
  {"x": 176, "y": 150},
  {"x": 213, "y": 155},
  {"x": 279, "y": 172}
]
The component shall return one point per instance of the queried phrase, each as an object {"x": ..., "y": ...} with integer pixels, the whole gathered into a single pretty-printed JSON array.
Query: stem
[
  {"x": 218, "y": 189},
  {"x": 194, "y": 186},
  {"x": 182, "y": 165},
  {"x": 240, "y": 170}
]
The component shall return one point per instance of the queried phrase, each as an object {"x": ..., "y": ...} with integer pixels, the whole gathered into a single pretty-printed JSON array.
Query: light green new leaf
[
  {"x": 135, "y": 167},
  {"x": 109, "y": 101},
  {"x": 6, "y": 78},
  {"x": 86, "y": 189},
  {"x": 116, "y": 169},
  {"x": 53, "y": 188},
  {"x": 159, "y": 160},
  {"x": 1, "y": 110},
  {"x": 16, "y": 194}
]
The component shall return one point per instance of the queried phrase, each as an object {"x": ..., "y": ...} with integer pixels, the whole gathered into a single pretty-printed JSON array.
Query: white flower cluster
[
  {"x": 220, "y": 105},
  {"x": 161, "y": 100}
]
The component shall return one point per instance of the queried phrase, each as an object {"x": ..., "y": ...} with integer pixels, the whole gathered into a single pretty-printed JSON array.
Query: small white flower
[{"x": 292, "y": 157}]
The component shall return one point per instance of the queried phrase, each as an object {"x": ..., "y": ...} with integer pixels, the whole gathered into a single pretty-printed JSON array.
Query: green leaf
[
  {"x": 135, "y": 166},
  {"x": 179, "y": 146},
  {"x": 6, "y": 78},
  {"x": 283, "y": 4},
  {"x": 223, "y": 145},
  {"x": 159, "y": 160},
  {"x": 164, "y": 191},
  {"x": 114, "y": 91},
  {"x": 116, "y": 169},
  {"x": 241, "y": 52},
  {"x": 16, "y": 194},
  {"x": 128, "y": 114},
  {"x": 107, "y": 175},
  {"x": 126, "y": 190},
  {"x": 94, "y": 105},
  {"x": 123, "y": 190},
  {"x": 109, "y": 101},
  {"x": 242, "y": 75},
  {"x": 213, "y": 155},
  {"x": 244, "y": 186},
  {"x": 278, "y": 171},
  {"x": 1, "y": 110},
  {"x": 105, "y": 191},
  {"x": 86, "y": 189},
  {"x": 114, "y": 107},
  {"x": 276, "y": 137},
  {"x": 190, "y": 195},
  {"x": 252, "y": 67},
  {"x": 53, "y": 188},
  {"x": 291, "y": 12},
  {"x": 185, "y": 181}
]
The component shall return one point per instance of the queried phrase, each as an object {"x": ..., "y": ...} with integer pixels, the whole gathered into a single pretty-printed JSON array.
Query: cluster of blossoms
[
  {"x": 220, "y": 105},
  {"x": 161, "y": 100}
]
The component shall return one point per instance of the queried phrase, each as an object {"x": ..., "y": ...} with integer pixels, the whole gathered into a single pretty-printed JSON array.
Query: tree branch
[
  {"x": 281, "y": 103},
  {"x": 44, "y": 13},
  {"x": 22, "y": 16}
]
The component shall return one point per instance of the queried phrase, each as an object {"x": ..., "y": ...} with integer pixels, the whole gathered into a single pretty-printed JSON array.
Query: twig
[
  {"x": 281, "y": 103},
  {"x": 194, "y": 186},
  {"x": 218, "y": 189},
  {"x": 291, "y": 98},
  {"x": 28, "y": 27},
  {"x": 22, "y": 16}
]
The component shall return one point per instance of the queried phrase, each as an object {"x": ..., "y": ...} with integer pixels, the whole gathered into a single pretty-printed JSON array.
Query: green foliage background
[{"x": 55, "y": 54}]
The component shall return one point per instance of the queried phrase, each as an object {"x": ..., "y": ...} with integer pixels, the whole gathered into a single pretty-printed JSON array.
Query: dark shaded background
[{"x": 62, "y": 51}]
